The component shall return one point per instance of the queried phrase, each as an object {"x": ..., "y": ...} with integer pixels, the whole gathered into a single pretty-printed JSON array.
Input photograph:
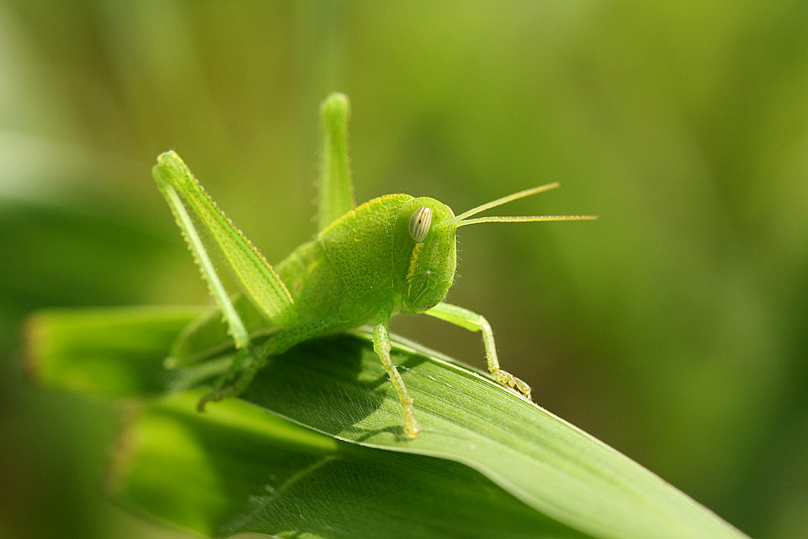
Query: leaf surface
[{"x": 319, "y": 432}]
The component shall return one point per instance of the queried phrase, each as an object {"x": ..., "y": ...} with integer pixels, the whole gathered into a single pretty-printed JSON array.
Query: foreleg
[{"x": 476, "y": 322}]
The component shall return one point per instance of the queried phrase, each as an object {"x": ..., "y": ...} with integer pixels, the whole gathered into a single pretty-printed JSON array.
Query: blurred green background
[{"x": 674, "y": 328}]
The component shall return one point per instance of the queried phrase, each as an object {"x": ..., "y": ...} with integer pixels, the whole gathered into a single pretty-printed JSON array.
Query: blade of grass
[
  {"x": 337, "y": 387},
  {"x": 237, "y": 469},
  {"x": 112, "y": 352}
]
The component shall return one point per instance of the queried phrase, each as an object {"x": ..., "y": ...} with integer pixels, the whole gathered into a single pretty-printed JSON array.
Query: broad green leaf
[
  {"x": 238, "y": 469},
  {"x": 336, "y": 386}
]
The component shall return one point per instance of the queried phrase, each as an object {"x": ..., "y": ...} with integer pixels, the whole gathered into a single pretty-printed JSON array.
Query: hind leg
[{"x": 250, "y": 359}]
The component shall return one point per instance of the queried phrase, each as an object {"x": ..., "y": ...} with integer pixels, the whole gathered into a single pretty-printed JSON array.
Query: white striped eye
[{"x": 419, "y": 223}]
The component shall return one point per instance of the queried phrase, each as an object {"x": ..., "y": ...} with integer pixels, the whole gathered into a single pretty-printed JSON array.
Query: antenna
[{"x": 463, "y": 218}]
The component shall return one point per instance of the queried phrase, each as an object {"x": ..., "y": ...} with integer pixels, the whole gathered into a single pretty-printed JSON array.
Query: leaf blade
[
  {"x": 337, "y": 387},
  {"x": 468, "y": 418},
  {"x": 238, "y": 469},
  {"x": 111, "y": 352}
]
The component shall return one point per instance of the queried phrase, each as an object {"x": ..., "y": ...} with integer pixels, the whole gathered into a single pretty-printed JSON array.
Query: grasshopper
[{"x": 393, "y": 254}]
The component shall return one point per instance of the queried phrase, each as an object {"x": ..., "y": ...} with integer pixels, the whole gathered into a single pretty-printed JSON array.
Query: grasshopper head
[
  {"x": 425, "y": 247},
  {"x": 424, "y": 253}
]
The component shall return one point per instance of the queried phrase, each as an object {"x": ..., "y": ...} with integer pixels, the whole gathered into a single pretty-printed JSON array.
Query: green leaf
[
  {"x": 113, "y": 352},
  {"x": 485, "y": 454},
  {"x": 237, "y": 469}
]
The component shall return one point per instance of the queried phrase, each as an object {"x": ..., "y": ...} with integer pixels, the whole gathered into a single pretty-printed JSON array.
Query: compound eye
[{"x": 420, "y": 222}]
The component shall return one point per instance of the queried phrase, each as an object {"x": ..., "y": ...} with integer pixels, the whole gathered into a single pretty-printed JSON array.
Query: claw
[
  {"x": 205, "y": 399},
  {"x": 235, "y": 380},
  {"x": 507, "y": 379},
  {"x": 411, "y": 427}
]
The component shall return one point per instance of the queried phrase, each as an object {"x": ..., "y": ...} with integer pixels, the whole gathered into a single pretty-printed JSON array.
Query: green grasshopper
[{"x": 395, "y": 253}]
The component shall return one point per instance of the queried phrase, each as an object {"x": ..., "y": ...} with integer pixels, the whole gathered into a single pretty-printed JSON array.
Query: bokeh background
[{"x": 675, "y": 328}]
